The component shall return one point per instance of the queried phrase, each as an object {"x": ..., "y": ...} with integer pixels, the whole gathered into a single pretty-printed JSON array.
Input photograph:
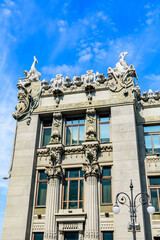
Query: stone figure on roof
[{"x": 32, "y": 76}]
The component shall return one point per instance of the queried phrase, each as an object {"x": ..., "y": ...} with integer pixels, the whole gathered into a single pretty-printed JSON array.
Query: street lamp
[{"x": 143, "y": 199}]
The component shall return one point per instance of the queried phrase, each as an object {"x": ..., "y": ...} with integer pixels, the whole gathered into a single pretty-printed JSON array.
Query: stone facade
[{"x": 87, "y": 98}]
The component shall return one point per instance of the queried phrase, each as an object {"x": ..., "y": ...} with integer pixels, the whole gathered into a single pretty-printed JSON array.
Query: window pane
[
  {"x": 46, "y": 136},
  {"x": 75, "y": 135},
  {"x": 81, "y": 121},
  {"x": 75, "y": 121},
  {"x": 43, "y": 176},
  {"x": 155, "y": 181},
  {"x": 73, "y": 173},
  {"x": 68, "y": 135},
  {"x": 152, "y": 129},
  {"x": 106, "y": 172},
  {"x": 156, "y": 143},
  {"x": 38, "y": 236},
  {"x": 148, "y": 144},
  {"x": 81, "y": 173},
  {"x": 47, "y": 124},
  {"x": 107, "y": 235},
  {"x": 64, "y": 205},
  {"x": 81, "y": 190},
  {"x": 69, "y": 122},
  {"x": 73, "y": 205},
  {"x": 65, "y": 190},
  {"x": 81, "y": 205},
  {"x": 104, "y": 132},
  {"x": 71, "y": 236},
  {"x": 81, "y": 134},
  {"x": 104, "y": 119},
  {"x": 42, "y": 193},
  {"x": 106, "y": 191},
  {"x": 154, "y": 199},
  {"x": 73, "y": 191}
]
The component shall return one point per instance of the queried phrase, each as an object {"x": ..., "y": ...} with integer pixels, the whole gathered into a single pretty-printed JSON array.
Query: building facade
[{"x": 77, "y": 144}]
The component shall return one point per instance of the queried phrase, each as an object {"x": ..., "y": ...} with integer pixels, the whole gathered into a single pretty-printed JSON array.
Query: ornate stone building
[{"x": 77, "y": 144}]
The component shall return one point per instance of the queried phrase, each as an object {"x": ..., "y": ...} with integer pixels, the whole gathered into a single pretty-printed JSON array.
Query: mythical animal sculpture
[
  {"x": 58, "y": 81},
  {"x": 32, "y": 76}
]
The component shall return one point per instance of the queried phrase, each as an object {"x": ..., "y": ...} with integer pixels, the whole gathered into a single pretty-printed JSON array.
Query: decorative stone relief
[
  {"x": 56, "y": 153},
  {"x": 56, "y": 133},
  {"x": 32, "y": 76},
  {"x": 56, "y": 87},
  {"x": 28, "y": 101},
  {"x": 53, "y": 171},
  {"x": 107, "y": 226},
  {"x": 91, "y": 124},
  {"x": 88, "y": 78},
  {"x": 38, "y": 228},
  {"x": 121, "y": 77},
  {"x": 100, "y": 78},
  {"x": 106, "y": 148}
]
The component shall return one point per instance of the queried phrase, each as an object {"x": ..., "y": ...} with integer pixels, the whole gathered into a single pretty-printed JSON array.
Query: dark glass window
[
  {"x": 46, "y": 133},
  {"x": 71, "y": 236},
  {"x": 152, "y": 139},
  {"x": 106, "y": 183},
  {"x": 104, "y": 129},
  {"x": 37, "y": 236},
  {"x": 41, "y": 189},
  {"x": 154, "y": 187},
  {"x": 73, "y": 189},
  {"x": 74, "y": 131},
  {"x": 107, "y": 235}
]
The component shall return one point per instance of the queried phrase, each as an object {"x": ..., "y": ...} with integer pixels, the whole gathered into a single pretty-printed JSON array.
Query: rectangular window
[
  {"x": 73, "y": 189},
  {"x": 46, "y": 133},
  {"x": 37, "y": 236},
  {"x": 71, "y": 236},
  {"x": 41, "y": 189},
  {"x": 106, "y": 183},
  {"x": 74, "y": 131},
  {"x": 104, "y": 130},
  {"x": 152, "y": 139},
  {"x": 154, "y": 187},
  {"x": 107, "y": 236}
]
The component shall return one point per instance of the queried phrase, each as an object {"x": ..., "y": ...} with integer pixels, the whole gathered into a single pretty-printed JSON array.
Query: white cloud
[{"x": 154, "y": 81}]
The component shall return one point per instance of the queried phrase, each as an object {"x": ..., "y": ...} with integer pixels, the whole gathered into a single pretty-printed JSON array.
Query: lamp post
[{"x": 143, "y": 198}]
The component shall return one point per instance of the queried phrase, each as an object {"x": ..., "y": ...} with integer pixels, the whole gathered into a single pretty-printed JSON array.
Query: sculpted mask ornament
[
  {"x": 122, "y": 75},
  {"x": 22, "y": 106}
]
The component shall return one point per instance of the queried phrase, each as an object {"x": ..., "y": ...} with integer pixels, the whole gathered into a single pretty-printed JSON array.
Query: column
[
  {"x": 91, "y": 207},
  {"x": 52, "y": 203}
]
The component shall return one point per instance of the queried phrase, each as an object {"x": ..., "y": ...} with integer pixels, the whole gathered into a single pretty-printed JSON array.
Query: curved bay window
[
  {"x": 154, "y": 187},
  {"x": 72, "y": 196},
  {"x": 104, "y": 131},
  {"x": 106, "y": 183},
  {"x": 152, "y": 139},
  {"x": 41, "y": 189},
  {"x": 46, "y": 133},
  {"x": 74, "y": 134}
]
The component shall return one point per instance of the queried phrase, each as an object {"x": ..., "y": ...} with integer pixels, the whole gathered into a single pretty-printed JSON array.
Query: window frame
[
  {"x": 73, "y": 125},
  {"x": 101, "y": 123},
  {"x": 151, "y": 134},
  {"x": 43, "y": 128},
  {"x": 106, "y": 177},
  {"x": 37, "y": 190},
  {"x": 157, "y": 187},
  {"x": 68, "y": 188},
  {"x": 106, "y": 231}
]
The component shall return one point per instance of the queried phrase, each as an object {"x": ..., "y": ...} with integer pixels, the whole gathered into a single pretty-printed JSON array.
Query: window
[
  {"x": 156, "y": 238},
  {"x": 106, "y": 182},
  {"x": 74, "y": 131},
  {"x": 71, "y": 236},
  {"x": 152, "y": 139},
  {"x": 37, "y": 236},
  {"x": 46, "y": 133},
  {"x": 104, "y": 129},
  {"x": 73, "y": 189},
  {"x": 154, "y": 187},
  {"x": 107, "y": 236},
  {"x": 41, "y": 189}
]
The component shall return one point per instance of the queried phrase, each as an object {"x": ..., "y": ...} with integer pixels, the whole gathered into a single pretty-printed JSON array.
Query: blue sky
[{"x": 71, "y": 37}]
